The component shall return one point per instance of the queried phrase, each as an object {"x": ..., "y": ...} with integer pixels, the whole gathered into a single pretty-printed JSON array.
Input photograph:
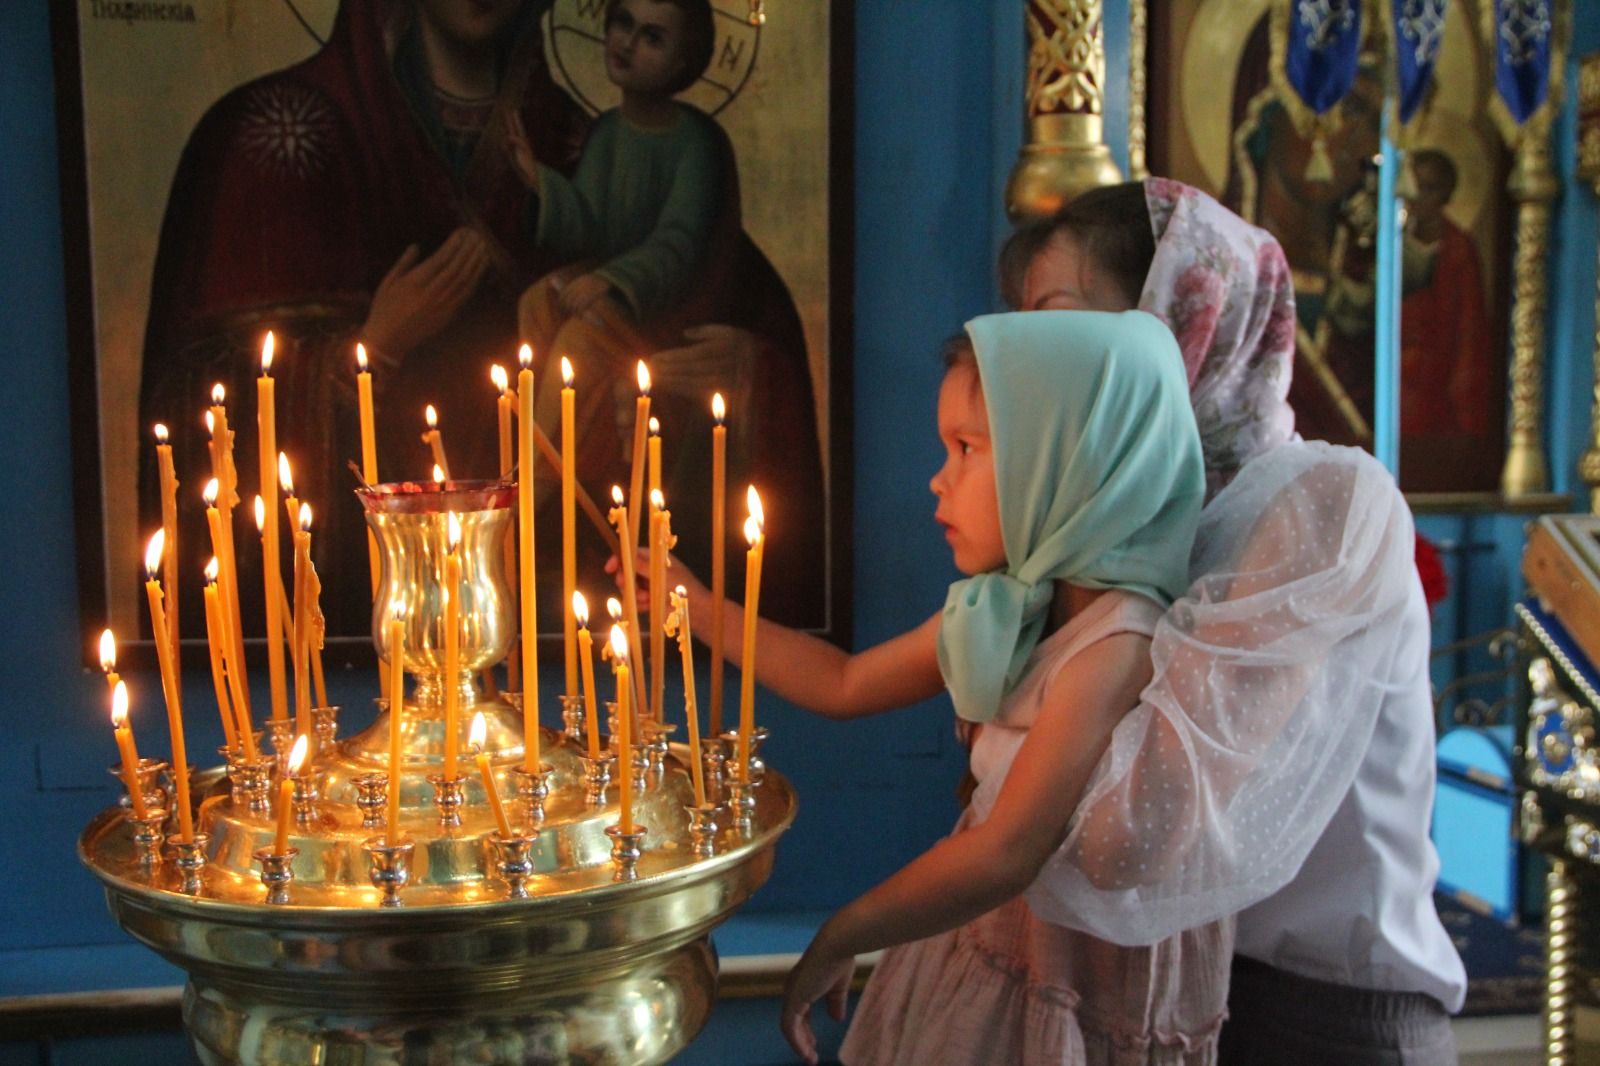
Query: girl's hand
[
  {"x": 576, "y": 295},
  {"x": 818, "y": 975},
  {"x": 641, "y": 577}
]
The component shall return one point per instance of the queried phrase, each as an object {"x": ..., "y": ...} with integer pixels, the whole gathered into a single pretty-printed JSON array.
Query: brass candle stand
[{"x": 565, "y": 941}]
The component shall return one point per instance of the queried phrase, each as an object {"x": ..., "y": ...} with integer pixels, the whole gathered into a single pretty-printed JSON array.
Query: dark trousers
[{"x": 1281, "y": 1019}]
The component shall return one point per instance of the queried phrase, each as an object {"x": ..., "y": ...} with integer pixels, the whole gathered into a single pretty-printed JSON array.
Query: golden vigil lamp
[{"x": 454, "y": 883}]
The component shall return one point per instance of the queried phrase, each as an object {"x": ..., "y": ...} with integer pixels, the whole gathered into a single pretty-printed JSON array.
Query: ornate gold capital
[
  {"x": 1589, "y": 170},
  {"x": 1064, "y": 96}
]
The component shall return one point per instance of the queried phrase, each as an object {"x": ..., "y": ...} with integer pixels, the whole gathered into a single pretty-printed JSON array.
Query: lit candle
[
  {"x": 438, "y": 476},
  {"x": 297, "y": 759},
  {"x": 125, "y": 746},
  {"x": 591, "y": 718},
  {"x": 655, "y": 603},
  {"x": 397, "y": 702},
  {"x": 504, "y": 408},
  {"x": 569, "y": 523},
  {"x": 630, "y": 580},
  {"x": 216, "y": 633},
  {"x": 679, "y": 621},
  {"x": 660, "y": 535},
  {"x": 369, "y": 467},
  {"x": 108, "y": 658},
  {"x": 641, "y": 430},
  {"x": 169, "y": 522},
  {"x": 719, "y": 552},
  {"x": 169, "y": 684},
  {"x": 291, "y": 503},
  {"x": 452, "y": 647},
  {"x": 752, "y": 603},
  {"x": 619, "y": 662},
  {"x": 272, "y": 554},
  {"x": 476, "y": 740},
  {"x": 224, "y": 639},
  {"x": 227, "y": 558},
  {"x": 434, "y": 439},
  {"x": 302, "y": 637},
  {"x": 525, "y": 548}
]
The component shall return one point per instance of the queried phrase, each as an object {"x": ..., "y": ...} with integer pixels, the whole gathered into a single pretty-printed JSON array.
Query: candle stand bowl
[{"x": 587, "y": 968}]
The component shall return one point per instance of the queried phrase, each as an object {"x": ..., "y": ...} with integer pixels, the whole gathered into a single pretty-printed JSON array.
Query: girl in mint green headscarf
[{"x": 1070, "y": 493}]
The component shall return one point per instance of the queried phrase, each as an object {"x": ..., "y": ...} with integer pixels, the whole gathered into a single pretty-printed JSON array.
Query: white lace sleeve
[{"x": 1269, "y": 675}]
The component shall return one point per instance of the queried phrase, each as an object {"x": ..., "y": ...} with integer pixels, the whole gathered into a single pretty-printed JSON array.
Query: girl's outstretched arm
[
  {"x": 817, "y": 675},
  {"x": 975, "y": 871}
]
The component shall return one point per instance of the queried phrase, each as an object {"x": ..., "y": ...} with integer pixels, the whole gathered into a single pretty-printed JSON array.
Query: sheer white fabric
[{"x": 1269, "y": 676}]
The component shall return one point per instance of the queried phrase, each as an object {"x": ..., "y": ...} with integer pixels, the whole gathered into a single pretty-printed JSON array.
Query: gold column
[
  {"x": 1065, "y": 152},
  {"x": 1589, "y": 170},
  {"x": 1560, "y": 955},
  {"x": 1533, "y": 186},
  {"x": 1138, "y": 88}
]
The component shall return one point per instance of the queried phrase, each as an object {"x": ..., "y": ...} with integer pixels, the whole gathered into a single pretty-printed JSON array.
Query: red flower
[{"x": 1435, "y": 581}]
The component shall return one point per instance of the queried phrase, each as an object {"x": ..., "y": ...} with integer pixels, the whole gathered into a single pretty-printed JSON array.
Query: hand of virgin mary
[{"x": 419, "y": 297}]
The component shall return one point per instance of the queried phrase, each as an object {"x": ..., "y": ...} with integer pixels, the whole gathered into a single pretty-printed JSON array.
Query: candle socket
[
  {"x": 639, "y": 763},
  {"x": 713, "y": 761},
  {"x": 372, "y": 794},
  {"x": 513, "y": 861},
  {"x": 533, "y": 787},
  {"x": 277, "y": 872},
  {"x": 625, "y": 851},
  {"x": 307, "y": 792},
  {"x": 252, "y": 780},
  {"x": 758, "y": 736},
  {"x": 389, "y": 866},
  {"x": 596, "y": 777},
  {"x": 572, "y": 718},
  {"x": 703, "y": 830},
  {"x": 448, "y": 796},
  {"x": 191, "y": 863},
  {"x": 282, "y": 733},
  {"x": 239, "y": 778},
  {"x": 656, "y": 734},
  {"x": 148, "y": 773},
  {"x": 741, "y": 803},
  {"x": 325, "y": 725},
  {"x": 148, "y": 835}
]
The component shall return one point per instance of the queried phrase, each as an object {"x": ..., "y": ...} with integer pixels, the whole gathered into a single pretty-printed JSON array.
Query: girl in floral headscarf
[{"x": 1280, "y": 764}]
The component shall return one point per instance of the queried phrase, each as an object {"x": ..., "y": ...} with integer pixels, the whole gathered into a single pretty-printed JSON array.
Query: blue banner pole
[{"x": 1386, "y": 341}]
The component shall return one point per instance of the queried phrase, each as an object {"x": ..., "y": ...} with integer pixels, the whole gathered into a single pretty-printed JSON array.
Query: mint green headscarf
[{"x": 1099, "y": 475}]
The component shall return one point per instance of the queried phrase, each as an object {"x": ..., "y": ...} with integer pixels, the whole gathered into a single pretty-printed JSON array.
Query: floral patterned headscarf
[{"x": 1223, "y": 287}]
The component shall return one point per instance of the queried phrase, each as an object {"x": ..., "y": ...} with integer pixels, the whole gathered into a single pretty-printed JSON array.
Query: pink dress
[{"x": 1010, "y": 988}]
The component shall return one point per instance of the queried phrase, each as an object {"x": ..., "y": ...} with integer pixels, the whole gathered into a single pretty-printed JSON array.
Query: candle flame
[
  {"x": 454, "y": 531},
  {"x": 479, "y": 734},
  {"x": 213, "y": 568},
  {"x": 361, "y": 358},
  {"x": 161, "y": 432},
  {"x": 430, "y": 416},
  {"x": 119, "y": 705},
  {"x": 655, "y": 426},
  {"x": 108, "y": 651},
  {"x": 614, "y": 608},
  {"x": 261, "y": 515},
  {"x": 525, "y": 357},
  {"x": 497, "y": 374},
  {"x": 616, "y": 495},
  {"x": 219, "y": 395},
  {"x": 681, "y": 592},
  {"x": 305, "y": 518},
  {"x": 752, "y": 500},
  {"x": 210, "y": 492},
  {"x": 211, "y": 423},
  {"x": 580, "y": 610},
  {"x": 719, "y": 409},
  {"x": 285, "y": 475},
  {"x": 267, "y": 347},
  {"x": 438, "y": 473},
  {"x": 643, "y": 374},
  {"x": 297, "y": 754},
  {"x": 566, "y": 372},
  {"x": 153, "y": 553},
  {"x": 752, "y": 531},
  {"x": 657, "y": 500},
  {"x": 397, "y": 610},
  {"x": 619, "y": 644}
]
